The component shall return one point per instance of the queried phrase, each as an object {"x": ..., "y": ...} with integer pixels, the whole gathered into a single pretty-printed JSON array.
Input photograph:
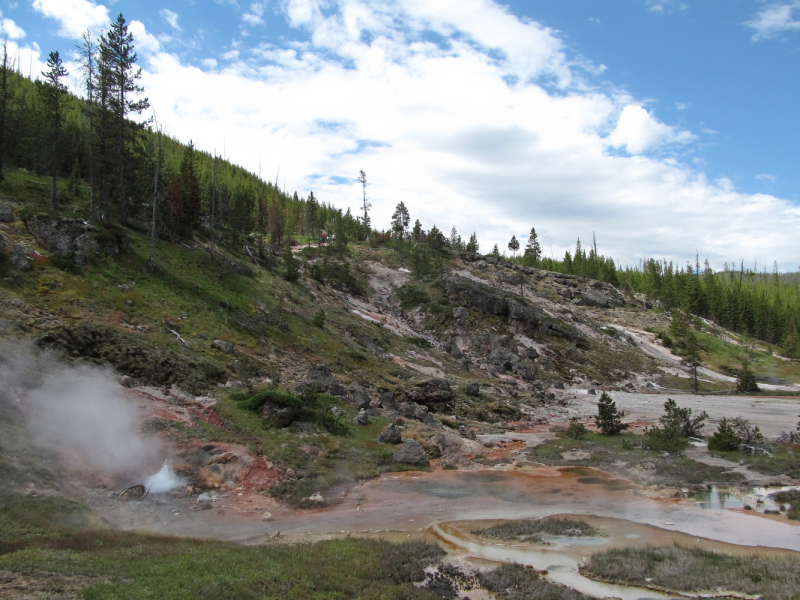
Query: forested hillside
[{"x": 107, "y": 157}]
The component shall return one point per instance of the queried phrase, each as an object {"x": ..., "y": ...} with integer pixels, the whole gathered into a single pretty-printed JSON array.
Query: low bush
[
  {"x": 519, "y": 582},
  {"x": 692, "y": 569},
  {"x": 531, "y": 530}
]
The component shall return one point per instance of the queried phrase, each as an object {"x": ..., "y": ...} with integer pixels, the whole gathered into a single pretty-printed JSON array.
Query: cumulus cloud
[
  {"x": 143, "y": 40},
  {"x": 473, "y": 118},
  {"x": 10, "y": 30},
  {"x": 638, "y": 131},
  {"x": 776, "y": 18},
  {"x": 74, "y": 16},
  {"x": 255, "y": 16},
  {"x": 170, "y": 17}
]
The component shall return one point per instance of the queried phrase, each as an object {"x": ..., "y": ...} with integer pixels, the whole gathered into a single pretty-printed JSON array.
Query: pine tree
[
  {"x": 472, "y": 245},
  {"x": 88, "y": 60},
  {"x": 400, "y": 220},
  {"x": 54, "y": 95},
  {"x": 513, "y": 245},
  {"x": 124, "y": 78},
  {"x": 5, "y": 66},
  {"x": 496, "y": 251},
  {"x": 362, "y": 179},
  {"x": 416, "y": 233},
  {"x": 609, "y": 419},
  {"x": 533, "y": 251}
]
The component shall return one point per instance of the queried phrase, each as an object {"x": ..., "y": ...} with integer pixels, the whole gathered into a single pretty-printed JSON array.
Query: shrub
[
  {"x": 319, "y": 318},
  {"x": 725, "y": 438},
  {"x": 576, "y": 429},
  {"x": 609, "y": 419},
  {"x": 290, "y": 262},
  {"x": 746, "y": 381}
]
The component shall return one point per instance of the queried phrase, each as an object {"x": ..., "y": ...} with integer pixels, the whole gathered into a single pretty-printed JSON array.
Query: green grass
[
  {"x": 607, "y": 450},
  {"x": 116, "y": 565},
  {"x": 793, "y": 499},
  {"x": 785, "y": 460},
  {"x": 532, "y": 530},
  {"x": 518, "y": 582},
  {"x": 693, "y": 569}
]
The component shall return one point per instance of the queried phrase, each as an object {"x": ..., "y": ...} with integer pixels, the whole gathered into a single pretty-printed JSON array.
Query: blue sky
[{"x": 664, "y": 126}]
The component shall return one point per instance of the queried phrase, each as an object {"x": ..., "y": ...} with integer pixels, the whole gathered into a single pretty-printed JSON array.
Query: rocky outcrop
[
  {"x": 20, "y": 257},
  {"x": 390, "y": 435},
  {"x": 222, "y": 346},
  {"x": 452, "y": 348},
  {"x": 278, "y": 416},
  {"x": 358, "y": 396},
  {"x": 411, "y": 453},
  {"x": 484, "y": 299},
  {"x": 599, "y": 300},
  {"x": 412, "y": 410},
  {"x": 431, "y": 391},
  {"x": 320, "y": 377},
  {"x": 387, "y": 401},
  {"x": 76, "y": 238},
  {"x": 130, "y": 355},
  {"x": 472, "y": 389},
  {"x": 362, "y": 418},
  {"x": 6, "y": 214},
  {"x": 219, "y": 470}
]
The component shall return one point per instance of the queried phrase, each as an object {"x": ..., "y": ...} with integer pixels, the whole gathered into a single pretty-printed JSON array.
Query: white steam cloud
[
  {"x": 83, "y": 408},
  {"x": 80, "y": 409}
]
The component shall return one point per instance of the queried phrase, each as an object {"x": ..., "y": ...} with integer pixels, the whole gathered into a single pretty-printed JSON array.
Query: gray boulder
[
  {"x": 278, "y": 416},
  {"x": 337, "y": 412},
  {"x": 411, "y": 453},
  {"x": 223, "y": 346},
  {"x": 460, "y": 313},
  {"x": 20, "y": 257},
  {"x": 6, "y": 214},
  {"x": 77, "y": 238},
  {"x": 362, "y": 418},
  {"x": 387, "y": 401},
  {"x": 472, "y": 389},
  {"x": 466, "y": 432},
  {"x": 452, "y": 348},
  {"x": 358, "y": 396},
  {"x": 320, "y": 376},
  {"x": 391, "y": 435},
  {"x": 412, "y": 410},
  {"x": 430, "y": 391},
  {"x": 531, "y": 353}
]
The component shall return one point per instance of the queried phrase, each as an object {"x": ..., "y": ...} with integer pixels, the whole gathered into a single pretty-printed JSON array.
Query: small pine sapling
[{"x": 609, "y": 419}]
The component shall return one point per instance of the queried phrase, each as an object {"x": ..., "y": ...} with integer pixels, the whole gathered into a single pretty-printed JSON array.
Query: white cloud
[
  {"x": 143, "y": 40},
  {"x": 9, "y": 29},
  {"x": 682, "y": 105},
  {"x": 439, "y": 126},
  {"x": 766, "y": 177},
  {"x": 170, "y": 17},
  {"x": 75, "y": 16},
  {"x": 638, "y": 131},
  {"x": 774, "y": 19},
  {"x": 255, "y": 16}
]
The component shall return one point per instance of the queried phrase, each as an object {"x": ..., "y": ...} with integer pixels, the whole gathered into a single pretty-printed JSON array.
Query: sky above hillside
[{"x": 665, "y": 127}]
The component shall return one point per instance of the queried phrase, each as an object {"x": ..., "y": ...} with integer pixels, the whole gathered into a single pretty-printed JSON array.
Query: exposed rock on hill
[
  {"x": 412, "y": 453},
  {"x": 77, "y": 238}
]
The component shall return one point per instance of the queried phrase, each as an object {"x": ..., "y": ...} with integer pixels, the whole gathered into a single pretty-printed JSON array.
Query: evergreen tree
[
  {"x": 472, "y": 245},
  {"x": 609, "y": 419},
  {"x": 436, "y": 240},
  {"x": 513, "y": 245},
  {"x": 496, "y": 251},
  {"x": 533, "y": 251},
  {"x": 362, "y": 179},
  {"x": 124, "y": 74},
  {"x": 400, "y": 220},
  {"x": 5, "y": 67},
  {"x": 292, "y": 273},
  {"x": 54, "y": 95},
  {"x": 416, "y": 233},
  {"x": 746, "y": 381}
]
